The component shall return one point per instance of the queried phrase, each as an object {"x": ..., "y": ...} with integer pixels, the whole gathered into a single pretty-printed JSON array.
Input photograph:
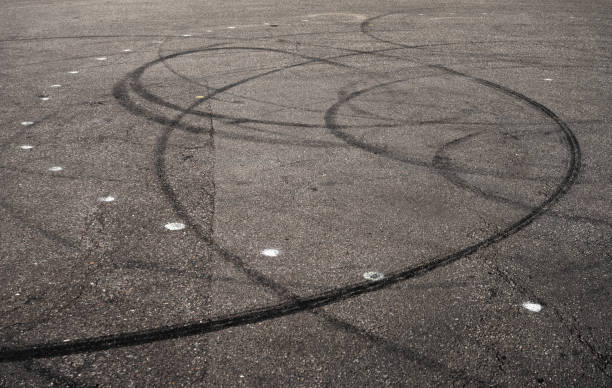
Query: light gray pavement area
[{"x": 305, "y": 193}]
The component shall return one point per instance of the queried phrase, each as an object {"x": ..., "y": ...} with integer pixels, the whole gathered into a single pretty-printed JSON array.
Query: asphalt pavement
[{"x": 305, "y": 193}]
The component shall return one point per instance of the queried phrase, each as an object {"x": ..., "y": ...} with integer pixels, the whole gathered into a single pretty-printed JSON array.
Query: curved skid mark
[{"x": 294, "y": 304}]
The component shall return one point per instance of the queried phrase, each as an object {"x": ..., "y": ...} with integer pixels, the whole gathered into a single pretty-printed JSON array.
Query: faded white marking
[
  {"x": 27, "y": 123},
  {"x": 45, "y": 98},
  {"x": 73, "y": 72},
  {"x": 373, "y": 276},
  {"x": 175, "y": 226},
  {"x": 231, "y": 27},
  {"x": 56, "y": 86},
  {"x": 127, "y": 50},
  {"x": 208, "y": 30},
  {"x": 270, "y": 252},
  {"x": 547, "y": 79},
  {"x": 535, "y": 307},
  {"x": 187, "y": 35},
  {"x": 101, "y": 59},
  {"x": 26, "y": 147},
  {"x": 305, "y": 20},
  {"x": 108, "y": 198},
  {"x": 56, "y": 168}
]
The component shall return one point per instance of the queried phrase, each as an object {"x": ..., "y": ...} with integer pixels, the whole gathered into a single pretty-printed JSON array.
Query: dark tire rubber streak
[{"x": 302, "y": 304}]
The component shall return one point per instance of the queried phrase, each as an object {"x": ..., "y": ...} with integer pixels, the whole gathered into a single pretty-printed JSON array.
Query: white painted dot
[
  {"x": 270, "y": 252},
  {"x": 27, "y": 123},
  {"x": 373, "y": 276},
  {"x": 547, "y": 79},
  {"x": 26, "y": 147},
  {"x": 73, "y": 72},
  {"x": 175, "y": 226},
  {"x": 56, "y": 168},
  {"x": 127, "y": 50},
  {"x": 208, "y": 30},
  {"x": 45, "y": 98},
  {"x": 231, "y": 27},
  {"x": 421, "y": 14},
  {"x": 305, "y": 20},
  {"x": 56, "y": 86},
  {"x": 101, "y": 59},
  {"x": 187, "y": 35},
  {"x": 535, "y": 307},
  {"x": 265, "y": 24},
  {"x": 108, "y": 198}
]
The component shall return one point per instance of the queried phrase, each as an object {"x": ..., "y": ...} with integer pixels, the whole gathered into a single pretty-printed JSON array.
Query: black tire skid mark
[
  {"x": 257, "y": 315},
  {"x": 300, "y": 304},
  {"x": 261, "y": 279},
  {"x": 571, "y": 177},
  {"x": 451, "y": 173},
  {"x": 132, "y": 82},
  {"x": 144, "y": 93},
  {"x": 419, "y": 357}
]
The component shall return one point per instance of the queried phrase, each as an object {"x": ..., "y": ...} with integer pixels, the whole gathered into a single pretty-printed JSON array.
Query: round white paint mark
[
  {"x": 27, "y": 123},
  {"x": 56, "y": 86},
  {"x": 208, "y": 30},
  {"x": 421, "y": 14},
  {"x": 45, "y": 98},
  {"x": 373, "y": 276},
  {"x": 56, "y": 168},
  {"x": 270, "y": 252},
  {"x": 535, "y": 307},
  {"x": 547, "y": 79},
  {"x": 26, "y": 147},
  {"x": 73, "y": 72},
  {"x": 101, "y": 59},
  {"x": 175, "y": 226},
  {"x": 305, "y": 20},
  {"x": 231, "y": 27},
  {"x": 187, "y": 35},
  {"x": 265, "y": 24},
  {"x": 127, "y": 50},
  {"x": 108, "y": 198}
]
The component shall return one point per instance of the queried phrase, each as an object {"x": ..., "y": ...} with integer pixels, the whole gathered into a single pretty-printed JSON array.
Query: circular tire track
[{"x": 293, "y": 304}]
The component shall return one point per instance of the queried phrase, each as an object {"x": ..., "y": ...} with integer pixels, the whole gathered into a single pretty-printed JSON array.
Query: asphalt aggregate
[{"x": 305, "y": 193}]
